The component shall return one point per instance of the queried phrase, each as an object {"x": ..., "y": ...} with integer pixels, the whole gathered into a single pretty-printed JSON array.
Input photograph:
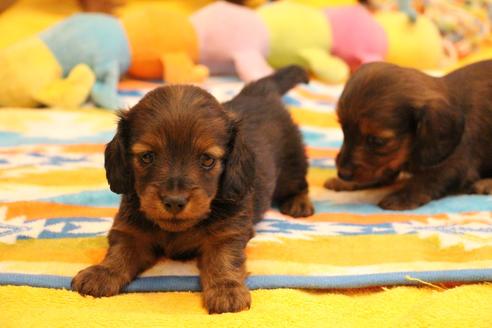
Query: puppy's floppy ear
[
  {"x": 239, "y": 167},
  {"x": 116, "y": 161},
  {"x": 439, "y": 128}
]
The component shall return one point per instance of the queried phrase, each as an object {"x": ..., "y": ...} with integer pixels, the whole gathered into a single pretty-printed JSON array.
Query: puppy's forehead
[
  {"x": 383, "y": 123},
  {"x": 377, "y": 96},
  {"x": 181, "y": 115},
  {"x": 371, "y": 87},
  {"x": 173, "y": 102}
]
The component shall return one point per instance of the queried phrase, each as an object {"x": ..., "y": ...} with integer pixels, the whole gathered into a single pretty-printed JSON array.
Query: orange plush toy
[{"x": 163, "y": 45}]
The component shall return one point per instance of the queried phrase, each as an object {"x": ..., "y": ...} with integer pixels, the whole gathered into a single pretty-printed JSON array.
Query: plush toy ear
[
  {"x": 116, "y": 161},
  {"x": 439, "y": 128},
  {"x": 239, "y": 167}
]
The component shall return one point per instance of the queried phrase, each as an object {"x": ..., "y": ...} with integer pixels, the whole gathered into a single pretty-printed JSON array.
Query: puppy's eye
[
  {"x": 373, "y": 141},
  {"x": 207, "y": 162},
  {"x": 147, "y": 157}
]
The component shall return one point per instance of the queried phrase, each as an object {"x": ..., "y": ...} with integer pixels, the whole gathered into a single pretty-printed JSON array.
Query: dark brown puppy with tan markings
[
  {"x": 195, "y": 176},
  {"x": 439, "y": 130}
]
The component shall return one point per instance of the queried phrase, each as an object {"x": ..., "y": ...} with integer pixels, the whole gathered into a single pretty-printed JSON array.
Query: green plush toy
[{"x": 301, "y": 35}]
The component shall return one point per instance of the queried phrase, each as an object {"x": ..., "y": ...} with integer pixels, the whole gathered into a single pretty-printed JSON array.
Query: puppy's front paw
[
  {"x": 482, "y": 187},
  {"x": 297, "y": 206},
  {"x": 337, "y": 184},
  {"x": 221, "y": 299},
  {"x": 403, "y": 200},
  {"x": 97, "y": 281}
]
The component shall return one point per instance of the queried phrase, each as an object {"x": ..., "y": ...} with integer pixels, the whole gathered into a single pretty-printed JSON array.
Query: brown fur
[
  {"x": 103, "y": 6},
  {"x": 397, "y": 119},
  {"x": 259, "y": 159}
]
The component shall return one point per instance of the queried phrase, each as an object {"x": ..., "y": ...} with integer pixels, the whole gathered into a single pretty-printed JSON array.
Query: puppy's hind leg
[
  {"x": 291, "y": 191},
  {"x": 297, "y": 206}
]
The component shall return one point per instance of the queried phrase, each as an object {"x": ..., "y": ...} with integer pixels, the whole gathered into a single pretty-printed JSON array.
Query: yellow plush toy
[
  {"x": 41, "y": 80},
  {"x": 31, "y": 53},
  {"x": 414, "y": 44}
]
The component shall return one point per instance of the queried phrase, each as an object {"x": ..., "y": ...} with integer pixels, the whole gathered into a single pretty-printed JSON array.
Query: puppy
[
  {"x": 439, "y": 130},
  {"x": 195, "y": 176}
]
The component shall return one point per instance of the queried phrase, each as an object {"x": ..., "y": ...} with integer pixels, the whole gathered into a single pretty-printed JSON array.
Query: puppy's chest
[{"x": 181, "y": 246}]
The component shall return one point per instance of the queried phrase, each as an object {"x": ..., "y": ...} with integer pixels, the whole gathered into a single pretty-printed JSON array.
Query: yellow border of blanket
[{"x": 464, "y": 306}]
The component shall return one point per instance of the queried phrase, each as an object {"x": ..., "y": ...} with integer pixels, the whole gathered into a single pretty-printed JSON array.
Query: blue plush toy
[{"x": 98, "y": 41}]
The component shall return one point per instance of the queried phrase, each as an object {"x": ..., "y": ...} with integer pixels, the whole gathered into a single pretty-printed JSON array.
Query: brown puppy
[
  {"x": 439, "y": 130},
  {"x": 195, "y": 176}
]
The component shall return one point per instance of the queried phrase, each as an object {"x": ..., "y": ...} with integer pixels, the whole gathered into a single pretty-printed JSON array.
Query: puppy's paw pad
[
  {"x": 222, "y": 299},
  {"x": 97, "y": 281},
  {"x": 482, "y": 187},
  {"x": 403, "y": 201},
  {"x": 297, "y": 206},
  {"x": 336, "y": 184}
]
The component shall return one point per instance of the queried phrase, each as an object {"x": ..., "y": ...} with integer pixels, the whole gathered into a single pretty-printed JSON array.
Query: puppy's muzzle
[
  {"x": 175, "y": 203},
  {"x": 345, "y": 168}
]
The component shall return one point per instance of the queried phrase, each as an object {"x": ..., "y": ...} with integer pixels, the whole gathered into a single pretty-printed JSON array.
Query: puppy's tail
[
  {"x": 286, "y": 78},
  {"x": 279, "y": 82}
]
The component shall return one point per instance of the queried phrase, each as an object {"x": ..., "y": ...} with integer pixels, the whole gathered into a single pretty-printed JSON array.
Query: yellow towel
[{"x": 465, "y": 306}]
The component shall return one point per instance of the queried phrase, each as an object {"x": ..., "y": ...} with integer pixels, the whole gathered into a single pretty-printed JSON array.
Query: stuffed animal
[
  {"x": 81, "y": 56},
  {"x": 389, "y": 35},
  {"x": 301, "y": 35},
  {"x": 232, "y": 39},
  {"x": 357, "y": 37},
  {"x": 86, "y": 54},
  {"x": 237, "y": 39},
  {"x": 413, "y": 44},
  {"x": 163, "y": 44}
]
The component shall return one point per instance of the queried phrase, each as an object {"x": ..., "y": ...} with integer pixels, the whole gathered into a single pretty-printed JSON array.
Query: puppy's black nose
[
  {"x": 345, "y": 174},
  {"x": 174, "y": 204}
]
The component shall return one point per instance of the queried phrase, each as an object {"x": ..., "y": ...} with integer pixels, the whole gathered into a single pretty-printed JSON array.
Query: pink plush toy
[
  {"x": 357, "y": 37},
  {"x": 360, "y": 37},
  {"x": 232, "y": 38}
]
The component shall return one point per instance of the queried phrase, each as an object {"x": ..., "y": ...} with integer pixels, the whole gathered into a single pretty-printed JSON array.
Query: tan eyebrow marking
[
  {"x": 386, "y": 134},
  {"x": 216, "y": 151},
  {"x": 147, "y": 142},
  {"x": 369, "y": 128},
  {"x": 140, "y": 148}
]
